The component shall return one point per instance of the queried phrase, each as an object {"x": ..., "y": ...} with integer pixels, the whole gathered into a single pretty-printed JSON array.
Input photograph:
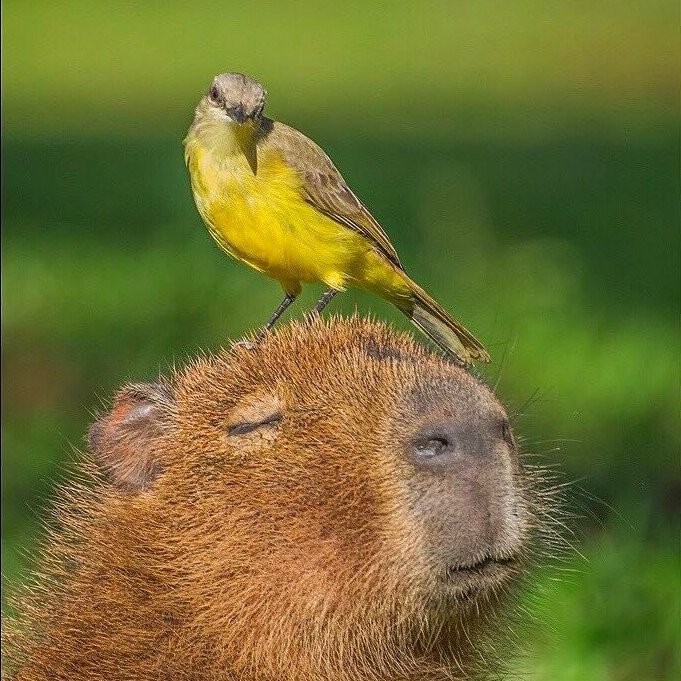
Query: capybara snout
[{"x": 465, "y": 483}]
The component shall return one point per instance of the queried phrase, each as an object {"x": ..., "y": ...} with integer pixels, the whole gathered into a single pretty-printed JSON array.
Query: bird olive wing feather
[{"x": 324, "y": 186}]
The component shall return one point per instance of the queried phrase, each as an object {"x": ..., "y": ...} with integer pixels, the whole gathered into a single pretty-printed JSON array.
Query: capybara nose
[{"x": 463, "y": 488}]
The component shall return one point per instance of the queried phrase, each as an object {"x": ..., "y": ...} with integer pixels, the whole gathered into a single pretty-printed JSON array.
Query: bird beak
[{"x": 238, "y": 114}]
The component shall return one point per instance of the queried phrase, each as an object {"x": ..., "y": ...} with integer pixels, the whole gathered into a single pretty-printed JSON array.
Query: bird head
[{"x": 237, "y": 97}]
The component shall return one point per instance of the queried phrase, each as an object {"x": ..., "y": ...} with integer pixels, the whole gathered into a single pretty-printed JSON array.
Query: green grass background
[{"x": 523, "y": 156}]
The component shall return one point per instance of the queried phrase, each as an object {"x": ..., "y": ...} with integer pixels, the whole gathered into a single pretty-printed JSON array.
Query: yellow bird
[{"x": 273, "y": 199}]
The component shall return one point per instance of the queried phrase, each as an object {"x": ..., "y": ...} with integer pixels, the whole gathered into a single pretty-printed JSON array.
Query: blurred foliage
[{"x": 522, "y": 155}]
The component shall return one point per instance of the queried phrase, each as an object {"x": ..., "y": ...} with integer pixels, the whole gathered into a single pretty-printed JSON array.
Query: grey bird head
[{"x": 240, "y": 98}]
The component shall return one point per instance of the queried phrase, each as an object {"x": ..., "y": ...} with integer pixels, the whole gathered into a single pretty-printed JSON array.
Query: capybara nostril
[
  {"x": 439, "y": 447},
  {"x": 430, "y": 448},
  {"x": 433, "y": 448}
]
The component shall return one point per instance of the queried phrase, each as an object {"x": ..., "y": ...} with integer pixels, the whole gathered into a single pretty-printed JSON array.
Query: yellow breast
[{"x": 256, "y": 211}]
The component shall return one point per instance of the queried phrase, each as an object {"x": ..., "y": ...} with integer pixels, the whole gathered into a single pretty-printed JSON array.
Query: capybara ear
[{"x": 125, "y": 441}]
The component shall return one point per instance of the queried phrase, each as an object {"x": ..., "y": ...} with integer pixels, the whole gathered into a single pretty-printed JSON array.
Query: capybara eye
[
  {"x": 250, "y": 426},
  {"x": 434, "y": 446}
]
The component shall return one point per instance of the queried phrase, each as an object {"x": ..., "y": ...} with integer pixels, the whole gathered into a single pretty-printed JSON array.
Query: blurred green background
[{"x": 523, "y": 156}]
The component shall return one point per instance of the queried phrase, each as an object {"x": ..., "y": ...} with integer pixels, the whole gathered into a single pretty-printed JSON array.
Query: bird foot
[{"x": 252, "y": 344}]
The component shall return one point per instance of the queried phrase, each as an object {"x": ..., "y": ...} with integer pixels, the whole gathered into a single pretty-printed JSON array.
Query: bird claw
[
  {"x": 246, "y": 344},
  {"x": 251, "y": 344}
]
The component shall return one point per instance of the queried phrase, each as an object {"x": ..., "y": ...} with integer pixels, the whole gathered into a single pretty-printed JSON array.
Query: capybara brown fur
[{"x": 334, "y": 504}]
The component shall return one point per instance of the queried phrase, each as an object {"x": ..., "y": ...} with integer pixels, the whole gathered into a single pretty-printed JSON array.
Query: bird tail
[{"x": 447, "y": 333}]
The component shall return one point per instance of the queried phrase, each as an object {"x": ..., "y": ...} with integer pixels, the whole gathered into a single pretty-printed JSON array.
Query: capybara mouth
[
  {"x": 470, "y": 578},
  {"x": 466, "y": 582},
  {"x": 485, "y": 565}
]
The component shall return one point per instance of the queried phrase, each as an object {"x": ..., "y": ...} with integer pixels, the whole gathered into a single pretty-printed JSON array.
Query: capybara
[{"x": 335, "y": 503}]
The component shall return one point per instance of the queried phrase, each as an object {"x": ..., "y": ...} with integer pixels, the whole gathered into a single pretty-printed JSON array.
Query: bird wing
[{"x": 324, "y": 186}]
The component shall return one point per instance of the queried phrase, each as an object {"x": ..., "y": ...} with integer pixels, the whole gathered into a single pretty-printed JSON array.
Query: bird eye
[{"x": 214, "y": 94}]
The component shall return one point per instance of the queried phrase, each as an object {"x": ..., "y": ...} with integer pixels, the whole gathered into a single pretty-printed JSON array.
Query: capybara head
[{"x": 335, "y": 503}]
